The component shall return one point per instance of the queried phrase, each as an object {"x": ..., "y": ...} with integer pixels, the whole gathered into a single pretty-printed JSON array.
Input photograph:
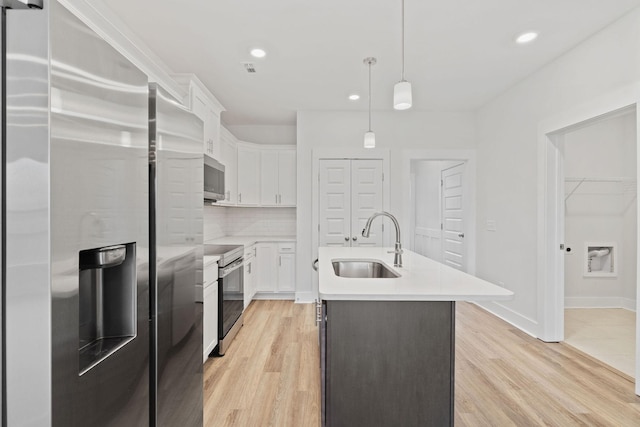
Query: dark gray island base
[{"x": 387, "y": 363}]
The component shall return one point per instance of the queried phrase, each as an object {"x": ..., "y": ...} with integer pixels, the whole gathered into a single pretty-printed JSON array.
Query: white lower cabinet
[
  {"x": 210, "y": 310},
  {"x": 286, "y": 272},
  {"x": 276, "y": 269},
  {"x": 266, "y": 263}
]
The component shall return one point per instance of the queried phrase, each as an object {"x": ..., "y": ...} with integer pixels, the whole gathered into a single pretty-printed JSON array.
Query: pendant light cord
[
  {"x": 402, "y": 40},
  {"x": 369, "y": 96}
]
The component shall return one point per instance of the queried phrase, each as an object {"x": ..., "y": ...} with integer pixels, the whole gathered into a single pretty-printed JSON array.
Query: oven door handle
[{"x": 230, "y": 268}]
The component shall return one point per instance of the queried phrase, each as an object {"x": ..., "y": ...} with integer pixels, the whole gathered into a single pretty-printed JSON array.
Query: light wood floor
[
  {"x": 607, "y": 334},
  {"x": 270, "y": 376}
]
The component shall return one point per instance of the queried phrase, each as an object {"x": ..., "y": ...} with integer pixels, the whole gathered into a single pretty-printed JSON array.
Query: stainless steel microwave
[{"x": 213, "y": 179}]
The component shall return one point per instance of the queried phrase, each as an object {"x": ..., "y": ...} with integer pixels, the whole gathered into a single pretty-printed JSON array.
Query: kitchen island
[{"x": 387, "y": 343}]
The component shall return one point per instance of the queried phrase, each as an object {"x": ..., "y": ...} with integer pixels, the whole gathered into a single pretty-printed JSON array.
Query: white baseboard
[
  {"x": 600, "y": 302},
  {"x": 306, "y": 297},
  {"x": 526, "y": 325},
  {"x": 274, "y": 296}
]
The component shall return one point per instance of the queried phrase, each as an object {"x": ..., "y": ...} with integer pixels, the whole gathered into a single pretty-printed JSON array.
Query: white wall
[
  {"x": 264, "y": 134},
  {"x": 395, "y": 131},
  {"x": 507, "y": 156},
  {"x": 601, "y": 211}
]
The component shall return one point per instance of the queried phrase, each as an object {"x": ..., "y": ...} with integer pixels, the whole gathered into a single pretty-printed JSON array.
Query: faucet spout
[{"x": 397, "y": 259}]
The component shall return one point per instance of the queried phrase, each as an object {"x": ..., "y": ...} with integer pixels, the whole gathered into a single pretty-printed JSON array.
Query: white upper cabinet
[
  {"x": 269, "y": 178},
  {"x": 248, "y": 175},
  {"x": 278, "y": 177},
  {"x": 266, "y": 175},
  {"x": 204, "y": 105},
  {"x": 287, "y": 177},
  {"x": 229, "y": 159}
]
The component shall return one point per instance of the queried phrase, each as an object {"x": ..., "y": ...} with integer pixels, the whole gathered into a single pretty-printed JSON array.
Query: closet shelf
[{"x": 601, "y": 186}]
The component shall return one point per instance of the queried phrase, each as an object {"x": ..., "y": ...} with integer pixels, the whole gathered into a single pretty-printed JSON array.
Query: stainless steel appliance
[
  {"x": 175, "y": 194},
  {"x": 213, "y": 179},
  {"x": 76, "y": 255},
  {"x": 230, "y": 292}
]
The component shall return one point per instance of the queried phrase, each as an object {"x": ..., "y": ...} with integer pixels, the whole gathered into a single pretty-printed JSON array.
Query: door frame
[
  {"x": 550, "y": 261},
  {"x": 463, "y": 156},
  {"x": 318, "y": 154}
]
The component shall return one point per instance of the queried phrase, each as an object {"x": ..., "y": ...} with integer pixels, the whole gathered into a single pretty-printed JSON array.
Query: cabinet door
[
  {"x": 210, "y": 319},
  {"x": 248, "y": 176},
  {"x": 286, "y": 272},
  {"x": 287, "y": 177},
  {"x": 267, "y": 267},
  {"x": 199, "y": 108},
  {"x": 213, "y": 121},
  {"x": 248, "y": 281},
  {"x": 269, "y": 177},
  {"x": 230, "y": 162}
]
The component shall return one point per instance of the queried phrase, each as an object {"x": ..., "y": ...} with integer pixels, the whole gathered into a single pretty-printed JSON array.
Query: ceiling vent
[{"x": 251, "y": 69}]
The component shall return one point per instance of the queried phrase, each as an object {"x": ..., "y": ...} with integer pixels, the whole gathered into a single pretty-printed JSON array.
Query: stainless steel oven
[{"x": 230, "y": 291}]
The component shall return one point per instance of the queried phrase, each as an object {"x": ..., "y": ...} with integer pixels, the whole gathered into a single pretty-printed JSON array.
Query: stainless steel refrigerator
[
  {"x": 176, "y": 208},
  {"x": 77, "y": 345}
]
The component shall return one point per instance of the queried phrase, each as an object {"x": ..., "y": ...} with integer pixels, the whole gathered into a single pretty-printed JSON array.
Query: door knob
[
  {"x": 461, "y": 235},
  {"x": 354, "y": 238},
  {"x": 346, "y": 239}
]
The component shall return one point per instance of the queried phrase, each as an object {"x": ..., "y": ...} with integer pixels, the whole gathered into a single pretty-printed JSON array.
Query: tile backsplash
[
  {"x": 215, "y": 222},
  {"x": 229, "y": 221}
]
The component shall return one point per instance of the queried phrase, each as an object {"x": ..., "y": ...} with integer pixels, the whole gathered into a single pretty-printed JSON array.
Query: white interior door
[
  {"x": 335, "y": 203},
  {"x": 366, "y": 199},
  {"x": 453, "y": 250}
]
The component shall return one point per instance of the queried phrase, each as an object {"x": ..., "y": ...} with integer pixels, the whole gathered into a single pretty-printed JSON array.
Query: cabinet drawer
[
  {"x": 288, "y": 247},
  {"x": 249, "y": 252},
  {"x": 210, "y": 273}
]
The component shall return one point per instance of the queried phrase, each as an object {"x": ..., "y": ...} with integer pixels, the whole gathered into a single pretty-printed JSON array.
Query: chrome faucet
[{"x": 397, "y": 259}]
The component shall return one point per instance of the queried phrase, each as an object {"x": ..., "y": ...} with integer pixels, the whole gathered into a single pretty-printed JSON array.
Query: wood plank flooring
[
  {"x": 504, "y": 377},
  {"x": 270, "y": 374}
]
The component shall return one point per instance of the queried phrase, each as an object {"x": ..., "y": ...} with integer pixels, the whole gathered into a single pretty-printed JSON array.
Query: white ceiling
[{"x": 460, "y": 54}]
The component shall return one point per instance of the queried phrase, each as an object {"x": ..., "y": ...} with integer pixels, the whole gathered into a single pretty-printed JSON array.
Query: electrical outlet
[{"x": 491, "y": 225}]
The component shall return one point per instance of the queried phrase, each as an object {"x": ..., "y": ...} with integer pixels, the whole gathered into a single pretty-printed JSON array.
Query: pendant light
[
  {"x": 402, "y": 89},
  {"x": 369, "y": 136}
]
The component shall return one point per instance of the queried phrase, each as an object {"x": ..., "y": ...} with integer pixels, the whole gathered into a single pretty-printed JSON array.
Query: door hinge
[
  {"x": 441, "y": 226},
  {"x": 441, "y": 183},
  {"x": 318, "y": 177},
  {"x": 383, "y": 176}
]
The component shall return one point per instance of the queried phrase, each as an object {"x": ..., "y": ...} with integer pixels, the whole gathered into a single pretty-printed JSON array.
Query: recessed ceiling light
[
  {"x": 258, "y": 53},
  {"x": 354, "y": 97},
  {"x": 526, "y": 37}
]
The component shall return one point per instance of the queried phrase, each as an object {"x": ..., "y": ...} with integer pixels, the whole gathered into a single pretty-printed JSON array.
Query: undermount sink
[{"x": 362, "y": 269}]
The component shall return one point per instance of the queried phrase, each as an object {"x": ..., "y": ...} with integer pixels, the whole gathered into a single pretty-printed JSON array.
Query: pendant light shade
[
  {"x": 369, "y": 136},
  {"x": 402, "y": 95},
  {"x": 369, "y": 139},
  {"x": 402, "y": 99}
]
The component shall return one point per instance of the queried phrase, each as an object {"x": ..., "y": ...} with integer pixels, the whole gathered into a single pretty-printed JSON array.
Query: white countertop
[
  {"x": 249, "y": 240},
  {"x": 210, "y": 259},
  {"x": 421, "y": 279}
]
